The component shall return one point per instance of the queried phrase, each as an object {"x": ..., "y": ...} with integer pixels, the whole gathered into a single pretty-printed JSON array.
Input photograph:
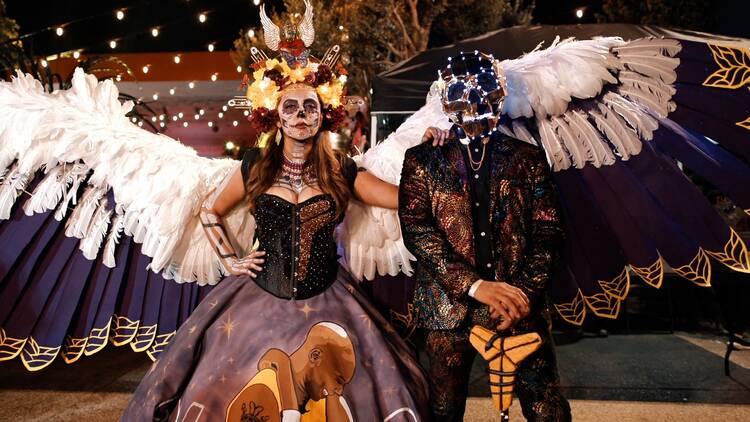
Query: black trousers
[{"x": 450, "y": 359}]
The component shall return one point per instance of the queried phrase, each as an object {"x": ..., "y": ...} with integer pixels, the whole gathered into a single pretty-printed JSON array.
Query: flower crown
[{"x": 294, "y": 65}]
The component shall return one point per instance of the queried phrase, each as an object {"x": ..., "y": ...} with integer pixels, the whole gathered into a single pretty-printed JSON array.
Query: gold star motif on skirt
[{"x": 227, "y": 326}]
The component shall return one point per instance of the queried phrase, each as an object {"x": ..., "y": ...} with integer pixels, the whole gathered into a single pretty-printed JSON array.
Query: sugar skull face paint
[
  {"x": 299, "y": 112},
  {"x": 473, "y": 93}
]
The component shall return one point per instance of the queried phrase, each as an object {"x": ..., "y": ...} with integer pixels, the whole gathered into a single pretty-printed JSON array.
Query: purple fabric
[
  {"x": 216, "y": 352},
  {"x": 52, "y": 294}
]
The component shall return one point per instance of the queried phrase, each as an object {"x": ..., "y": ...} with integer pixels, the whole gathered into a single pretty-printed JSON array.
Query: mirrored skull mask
[
  {"x": 299, "y": 112},
  {"x": 472, "y": 94}
]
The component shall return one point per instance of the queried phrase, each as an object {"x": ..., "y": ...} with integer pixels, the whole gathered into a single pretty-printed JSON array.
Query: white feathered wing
[
  {"x": 82, "y": 136},
  {"x": 371, "y": 236},
  {"x": 624, "y": 82}
]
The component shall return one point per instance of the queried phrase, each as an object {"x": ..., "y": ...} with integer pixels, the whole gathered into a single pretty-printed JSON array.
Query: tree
[
  {"x": 374, "y": 35},
  {"x": 10, "y": 49},
  {"x": 686, "y": 14}
]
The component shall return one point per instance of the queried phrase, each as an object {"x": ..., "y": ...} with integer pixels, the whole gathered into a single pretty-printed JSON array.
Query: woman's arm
[
  {"x": 221, "y": 201},
  {"x": 373, "y": 191}
]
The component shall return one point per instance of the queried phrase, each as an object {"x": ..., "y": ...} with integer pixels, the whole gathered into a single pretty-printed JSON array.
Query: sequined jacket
[{"x": 436, "y": 222}]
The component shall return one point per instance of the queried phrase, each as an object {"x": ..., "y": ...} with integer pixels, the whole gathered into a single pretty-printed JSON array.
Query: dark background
[{"x": 92, "y": 23}]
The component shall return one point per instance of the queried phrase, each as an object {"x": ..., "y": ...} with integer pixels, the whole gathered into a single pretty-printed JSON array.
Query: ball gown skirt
[{"x": 215, "y": 354}]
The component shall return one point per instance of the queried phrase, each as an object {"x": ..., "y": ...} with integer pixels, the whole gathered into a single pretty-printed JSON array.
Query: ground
[{"x": 647, "y": 377}]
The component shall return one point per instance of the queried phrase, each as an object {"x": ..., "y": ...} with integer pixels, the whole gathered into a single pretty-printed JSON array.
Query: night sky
[{"x": 94, "y": 24}]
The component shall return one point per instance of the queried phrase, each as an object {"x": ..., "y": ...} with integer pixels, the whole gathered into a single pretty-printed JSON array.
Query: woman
[{"x": 287, "y": 335}]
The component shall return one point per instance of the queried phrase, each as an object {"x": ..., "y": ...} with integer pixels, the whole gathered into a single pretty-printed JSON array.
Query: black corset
[{"x": 298, "y": 239}]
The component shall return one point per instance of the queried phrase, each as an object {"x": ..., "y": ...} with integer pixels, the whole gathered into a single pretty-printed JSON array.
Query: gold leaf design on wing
[
  {"x": 619, "y": 286},
  {"x": 744, "y": 124},
  {"x": 698, "y": 270},
  {"x": 734, "y": 255},
  {"x": 734, "y": 67},
  {"x": 653, "y": 275},
  {"x": 573, "y": 312}
]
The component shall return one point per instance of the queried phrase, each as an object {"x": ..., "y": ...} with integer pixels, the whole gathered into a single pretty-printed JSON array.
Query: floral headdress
[{"x": 294, "y": 65}]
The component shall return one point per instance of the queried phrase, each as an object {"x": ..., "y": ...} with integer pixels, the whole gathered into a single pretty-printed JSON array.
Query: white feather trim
[
  {"x": 371, "y": 236},
  {"x": 158, "y": 183}
]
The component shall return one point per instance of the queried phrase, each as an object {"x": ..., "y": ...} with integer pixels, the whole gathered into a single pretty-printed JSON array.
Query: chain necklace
[{"x": 476, "y": 165}]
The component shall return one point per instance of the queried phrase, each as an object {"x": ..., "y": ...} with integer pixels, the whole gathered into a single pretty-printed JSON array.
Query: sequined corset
[{"x": 301, "y": 259}]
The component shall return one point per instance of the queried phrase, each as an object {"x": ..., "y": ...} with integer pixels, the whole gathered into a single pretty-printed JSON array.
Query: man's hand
[
  {"x": 438, "y": 136},
  {"x": 506, "y": 302}
]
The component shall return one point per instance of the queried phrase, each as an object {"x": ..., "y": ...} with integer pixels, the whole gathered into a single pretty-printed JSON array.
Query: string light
[
  {"x": 579, "y": 13},
  {"x": 113, "y": 44},
  {"x": 145, "y": 68},
  {"x": 191, "y": 85},
  {"x": 201, "y": 112},
  {"x": 174, "y": 118},
  {"x": 341, "y": 27},
  {"x": 133, "y": 119},
  {"x": 211, "y": 47},
  {"x": 224, "y": 108},
  {"x": 180, "y": 115},
  {"x": 185, "y": 124},
  {"x": 59, "y": 31},
  {"x": 44, "y": 63},
  {"x": 162, "y": 124},
  {"x": 177, "y": 59},
  {"x": 239, "y": 69},
  {"x": 229, "y": 145},
  {"x": 161, "y": 117},
  {"x": 120, "y": 15},
  {"x": 235, "y": 123},
  {"x": 153, "y": 119},
  {"x": 155, "y": 96},
  {"x": 210, "y": 124},
  {"x": 221, "y": 115},
  {"x": 256, "y": 2},
  {"x": 140, "y": 124},
  {"x": 246, "y": 113},
  {"x": 118, "y": 78},
  {"x": 251, "y": 33},
  {"x": 171, "y": 91},
  {"x": 76, "y": 54},
  {"x": 197, "y": 116},
  {"x": 154, "y": 32},
  {"x": 214, "y": 77},
  {"x": 202, "y": 18}
]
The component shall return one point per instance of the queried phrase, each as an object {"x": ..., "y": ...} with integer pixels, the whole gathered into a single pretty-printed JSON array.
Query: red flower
[
  {"x": 323, "y": 75},
  {"x": 263, "y": 120},
  {"x": 332, "y": 118},
  {"x": 311, "y": 79}
]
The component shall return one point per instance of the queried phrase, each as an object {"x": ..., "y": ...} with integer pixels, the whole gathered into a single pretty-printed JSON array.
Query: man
[
  {"x": 481, "y": 217},
  {"x": 312, "y": 378}
]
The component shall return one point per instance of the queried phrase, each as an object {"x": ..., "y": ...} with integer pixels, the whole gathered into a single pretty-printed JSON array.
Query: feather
[
  {"x": 556, "y": 154},
  {"x": 108, "y": 255},
  {"x": 94, "y": 237},
  {"x": 636, "y": 117},
  {"x": 662, "y": 68},
  {"x": 521, "y": 132},
  {"x": 649, "y": 46},
  {"x": 568, "y": 137},
  {"x": 543, "y": 82},
  {"x": 84, "y": 131},
  {"x": 597, "y": 153},
  {"x": 618, "y": 133},
  {"x": 10, "y": 190}
]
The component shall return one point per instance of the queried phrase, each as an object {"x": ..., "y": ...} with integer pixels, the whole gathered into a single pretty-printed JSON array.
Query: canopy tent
[{"x": 401, "y": 90}]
